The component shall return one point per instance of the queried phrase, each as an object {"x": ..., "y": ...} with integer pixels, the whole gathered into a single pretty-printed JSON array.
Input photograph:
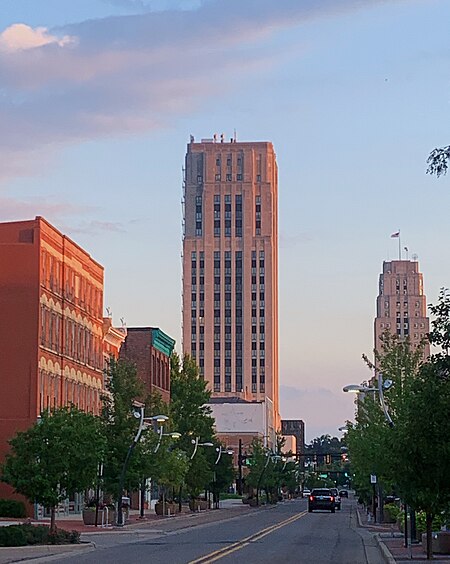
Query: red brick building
[
  {"x": 150, "y": 349},
  {"x": 51, "y": 326}
]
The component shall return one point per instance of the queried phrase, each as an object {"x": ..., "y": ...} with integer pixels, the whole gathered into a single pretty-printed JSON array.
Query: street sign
[
  {"x": 373, "y": 479},
  {"x": 323, "y": 475}
]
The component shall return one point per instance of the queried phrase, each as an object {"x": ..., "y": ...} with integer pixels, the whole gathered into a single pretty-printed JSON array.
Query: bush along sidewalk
[
  {"x": 12, "y": 508},
  {"x": 24, "y": 535}
]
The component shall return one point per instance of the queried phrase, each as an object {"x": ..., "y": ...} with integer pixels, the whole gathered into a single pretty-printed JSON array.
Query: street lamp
[
  {"x": 221, "y": 451},
  {"x": 196, "y": 444},
  {"x": 143, "y": 423},
  {"x": 382, "y": 385}
]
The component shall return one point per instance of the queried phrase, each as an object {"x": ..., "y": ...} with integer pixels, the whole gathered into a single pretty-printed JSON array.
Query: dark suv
[{"x": 321, "y": 499}]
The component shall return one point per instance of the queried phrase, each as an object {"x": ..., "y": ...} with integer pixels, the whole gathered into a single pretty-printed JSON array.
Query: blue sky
[{"x": 97, "y": 102}]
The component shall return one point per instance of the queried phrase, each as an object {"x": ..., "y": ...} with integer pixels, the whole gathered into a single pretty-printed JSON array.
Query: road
[{"x": 284, "y": 533}]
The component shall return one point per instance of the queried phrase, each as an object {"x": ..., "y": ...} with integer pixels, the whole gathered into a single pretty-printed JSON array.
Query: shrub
[
  {"x": 13, "y": 535},
  {"x": 392, "y": 510},
  {"x": 421, "y": 522},
  {"x": 12, "y": 508},
  {"x": 36, "y": 534},
  {"x": 26, "y": 534}
]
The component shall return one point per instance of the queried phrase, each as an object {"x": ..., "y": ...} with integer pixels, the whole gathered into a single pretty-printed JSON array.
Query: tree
[
  {"x": 223, "y": 471},
  {"x": 413, "y": 454},
  {"x": 438, "y": 161},
  {"x": 120, "y": 426},
  {"x": 421, "y": 442},
  {"x": 369, "y": 440},
  {"x": 56, "y": 457},
  {"x": 191, "y": 417}
]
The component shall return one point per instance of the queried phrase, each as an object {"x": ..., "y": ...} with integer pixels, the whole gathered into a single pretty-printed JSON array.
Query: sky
[{"x": 98, "y": 99}]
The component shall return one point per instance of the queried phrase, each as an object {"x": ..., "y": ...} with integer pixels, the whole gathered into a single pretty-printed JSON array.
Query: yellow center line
[{"x": 221, "y": 552}]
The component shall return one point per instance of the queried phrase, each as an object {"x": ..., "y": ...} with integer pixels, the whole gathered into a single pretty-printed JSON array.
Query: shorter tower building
[
  {"x": 150, "y": 349},
  {"x": 295, "y": 428},
  {"x": 401, "y": 303}
]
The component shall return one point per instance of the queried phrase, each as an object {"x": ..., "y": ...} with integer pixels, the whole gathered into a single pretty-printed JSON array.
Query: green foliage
[
  {"x": 421, "y": 524},
  {"x": 438, "y": 161},
  {"x": 189, "y": 395},
  {"x": 22, "y": 535},
  {"x": 120, "y": 426},
  {"x": 392, "y": 510},
  {"x": 56, "y": 457},
  {"x": 414, "y": 454},
  {"x": 173, "y": 467},
  {"x": 191, "y": 417},
  {"x": 12, "y": 508},
  {"x": 14, "y": 535}
]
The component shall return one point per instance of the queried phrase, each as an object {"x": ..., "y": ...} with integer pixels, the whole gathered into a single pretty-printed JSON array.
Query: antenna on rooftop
[{"x": 234, "y": 136}]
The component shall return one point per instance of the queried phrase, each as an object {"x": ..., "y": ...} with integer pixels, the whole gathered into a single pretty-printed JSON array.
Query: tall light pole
[
  {"x": 143, "y": 422},
  {"x": 382, "y": 386},
  {"x": 219, "y": 451},
  {"x": 197, "y": 444}
]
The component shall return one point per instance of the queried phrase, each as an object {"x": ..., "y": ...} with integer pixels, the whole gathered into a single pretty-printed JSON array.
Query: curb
[
  {"x": 387, "y": 555},
  {"x": 19, "y": 554}
]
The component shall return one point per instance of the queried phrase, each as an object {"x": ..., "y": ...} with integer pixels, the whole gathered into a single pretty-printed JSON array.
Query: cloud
[
  {"x": 12, "y": 209},
  {"x": 96, "y": 226},
  {"x": 291, "y": 241},
  {"x": 133, "y": 73},
  {"x": 20, "y": 37}
]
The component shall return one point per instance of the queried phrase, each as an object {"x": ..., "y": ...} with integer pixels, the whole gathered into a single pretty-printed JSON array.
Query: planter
[
  {"x": 253, "y": 502},
  {"x": 89, "y": 516},
  {"x": 199, "y": 504},
  {"x": 170, "y": 508},
  {"x": 440, "y": 542}
]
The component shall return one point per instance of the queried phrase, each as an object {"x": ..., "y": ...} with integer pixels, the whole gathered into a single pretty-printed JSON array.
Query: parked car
[
  {"x": 343, "y": 493},
  {"x": 306, "y": 493},
  {"x": 337, "y": 499},
  {"x": 321, "y": 498}
]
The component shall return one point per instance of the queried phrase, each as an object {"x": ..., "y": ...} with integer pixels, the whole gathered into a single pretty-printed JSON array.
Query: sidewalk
[
  {"x": 151, "y": 524},
  {"x": 392, "y": 542}
]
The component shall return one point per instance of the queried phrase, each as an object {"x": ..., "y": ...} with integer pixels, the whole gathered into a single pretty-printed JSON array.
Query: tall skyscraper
[
  {"x": 230, "y": 267},
  {"x": 401, "y": 303}
]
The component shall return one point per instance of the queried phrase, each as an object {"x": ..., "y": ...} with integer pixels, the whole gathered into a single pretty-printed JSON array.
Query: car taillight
[
  {"x": 332, "y": 498},
  {"x": 311, "y": 498}
]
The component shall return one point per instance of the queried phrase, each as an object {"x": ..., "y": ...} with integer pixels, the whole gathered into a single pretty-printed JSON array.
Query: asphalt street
[{"x": 284, "y": 533}]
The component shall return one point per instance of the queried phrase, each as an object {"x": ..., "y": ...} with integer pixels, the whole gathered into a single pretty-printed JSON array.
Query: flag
[{"x": 396, "y": 234}]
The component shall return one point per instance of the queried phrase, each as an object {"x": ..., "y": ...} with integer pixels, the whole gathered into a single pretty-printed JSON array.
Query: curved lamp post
[
  {"x": 382, "y": 385},
  {"x": 270, "y": 456},
  {"x": 221, "y": 451},
  {"x": 196, "y": 444},
  {"x": 144, "y": 422}
]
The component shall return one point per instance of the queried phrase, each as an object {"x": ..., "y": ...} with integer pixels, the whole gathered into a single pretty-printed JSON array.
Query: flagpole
[{"x": 399, "y": 246}]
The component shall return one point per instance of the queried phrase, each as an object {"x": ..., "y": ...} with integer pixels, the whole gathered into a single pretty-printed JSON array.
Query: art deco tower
[
  {"x": 401, "y": 303},
  {"x": 230, "y": 267}
]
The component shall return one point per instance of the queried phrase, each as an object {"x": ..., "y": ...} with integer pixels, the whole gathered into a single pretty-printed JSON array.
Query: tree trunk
[
  {"x": 53, "y": 520},
  {"x": 143, "y": 490},
  {"x": 179, "y": 498},
  {"x": 429, "y": 519}
]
